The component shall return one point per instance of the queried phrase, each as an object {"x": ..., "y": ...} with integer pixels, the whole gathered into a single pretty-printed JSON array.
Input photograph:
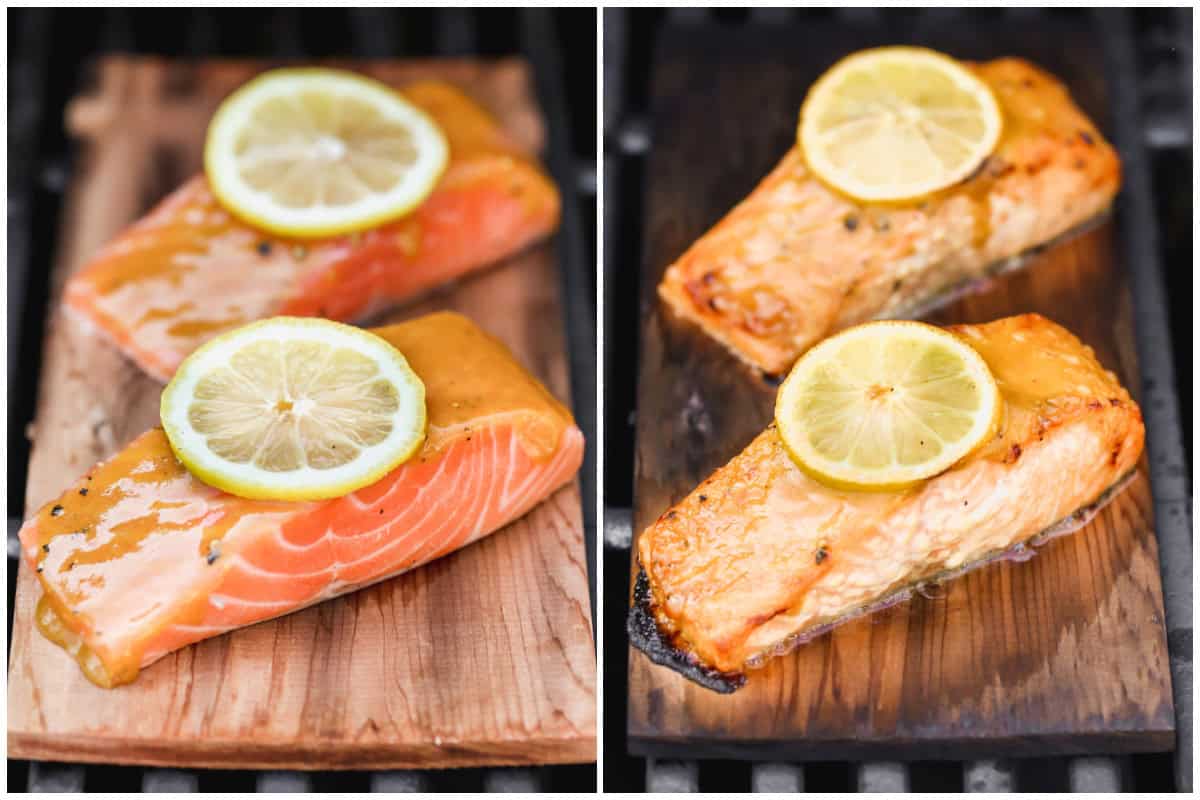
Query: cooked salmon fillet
[
  {"x": 139, "y": 558},
  {"x": 189, "y": 270},
  {"x": 760, "y": 556},
  {"x": 796, "y": 261}
]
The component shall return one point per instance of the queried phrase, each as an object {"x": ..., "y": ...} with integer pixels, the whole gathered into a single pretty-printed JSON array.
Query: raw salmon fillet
[
  {"x": 760, "y": 557},
  {"x": 796, "y": 261},
  {"x": 139, "y": 558},
  {"x": 189, "y": 270}
]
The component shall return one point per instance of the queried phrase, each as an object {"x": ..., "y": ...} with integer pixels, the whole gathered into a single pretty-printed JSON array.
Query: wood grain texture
[
  {"x": 1064, "y": 653},
  {"x": 483, "y": 657}
]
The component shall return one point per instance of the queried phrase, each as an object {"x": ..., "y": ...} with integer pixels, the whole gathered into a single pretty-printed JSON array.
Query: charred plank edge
[{"x": 645, "y": 634}]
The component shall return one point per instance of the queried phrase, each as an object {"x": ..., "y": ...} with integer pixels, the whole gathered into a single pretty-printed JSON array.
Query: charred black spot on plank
[{"x": 645, "y": 635}]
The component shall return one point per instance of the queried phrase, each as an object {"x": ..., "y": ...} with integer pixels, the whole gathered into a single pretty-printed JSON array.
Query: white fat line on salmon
[
  {"x": 330, "y": 537},
  {"x": 533, "y": 477},
  {"x": 381, "y": 502},
  {"x": 548, "y": 474},
  {"x": 337, "y": 566},
  {"x": 419, "y": 551},
  {"x": 221, "y": 601}
]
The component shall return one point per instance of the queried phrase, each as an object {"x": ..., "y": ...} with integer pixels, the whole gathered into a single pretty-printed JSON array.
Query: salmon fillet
[
  {"x": 189, "y": 270},
  {"x": 140, "y": 558},
  {"x": 761, "y": 557},
  {"x": 796, "y": 261}
]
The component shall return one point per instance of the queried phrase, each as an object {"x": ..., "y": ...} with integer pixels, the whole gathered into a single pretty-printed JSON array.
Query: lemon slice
[
  {"x": 317, "y": 152},
  {"x": 897, "y": 123},
  {"x": 294, "y": 409},
  {"x": 885, "y": 405}
]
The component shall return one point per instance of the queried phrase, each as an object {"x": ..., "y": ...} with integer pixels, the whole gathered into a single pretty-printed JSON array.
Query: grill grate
[
  {"x": 40, "y": 157},
  {"x": 1149, "y": 70}
]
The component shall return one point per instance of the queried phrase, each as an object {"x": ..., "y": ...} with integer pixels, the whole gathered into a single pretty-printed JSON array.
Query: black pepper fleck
[
  {"x": 39, "y": 569},
  {"x": 46, "y": 547},
  {"x": 56, "y": 511},
  {"x": 211, "y": 558},
  {"x": 851, "y": 222},
  {"x": 822, "y": 554},
  {"x": 83, "y": 491},
  {"x": 1087, "y": 138},
  {"x": 264, "y": 248},
  {"x": 703, "y": 497}
]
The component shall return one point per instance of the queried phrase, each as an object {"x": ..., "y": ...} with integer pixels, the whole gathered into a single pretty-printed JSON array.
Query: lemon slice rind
[
  {"x": 373, "y": 462},
  {"x": 830, "y": 402},
  {"x": 891, "y": 127},
  {"x": 237, "y": 113}
]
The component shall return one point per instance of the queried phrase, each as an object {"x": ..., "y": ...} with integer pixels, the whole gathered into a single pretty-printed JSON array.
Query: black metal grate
[
  {"x": 1148, "y": 59},
  {"x": 46, "y": 50}
]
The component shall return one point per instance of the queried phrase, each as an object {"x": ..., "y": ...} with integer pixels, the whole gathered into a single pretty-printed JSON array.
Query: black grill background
[
  {"x": 1156, "y": 86},
  {"x": 48, "y": 51}
]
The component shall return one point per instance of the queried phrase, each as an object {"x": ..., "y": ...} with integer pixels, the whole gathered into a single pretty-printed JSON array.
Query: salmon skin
[
  {"x": 761, "y": 557},
  {"x": 139, "y": 558},
  {"x": 189, "y": 270},
  {"x": 797, "y": 261}
]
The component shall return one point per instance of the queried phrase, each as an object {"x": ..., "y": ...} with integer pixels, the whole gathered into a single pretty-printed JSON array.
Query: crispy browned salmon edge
[{"x": 645, "y": 635}]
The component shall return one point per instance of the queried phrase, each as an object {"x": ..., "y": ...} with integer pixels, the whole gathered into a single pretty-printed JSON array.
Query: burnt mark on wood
[{"x": 645, "y": 635}]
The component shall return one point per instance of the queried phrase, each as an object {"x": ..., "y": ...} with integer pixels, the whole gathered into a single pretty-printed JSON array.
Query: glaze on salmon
[
  {"x": 189, "y": 270},
  {"x": 796, "y": 261},
  {"x": 139, "y": 558},
  {"x": 760, "y": 556}
]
